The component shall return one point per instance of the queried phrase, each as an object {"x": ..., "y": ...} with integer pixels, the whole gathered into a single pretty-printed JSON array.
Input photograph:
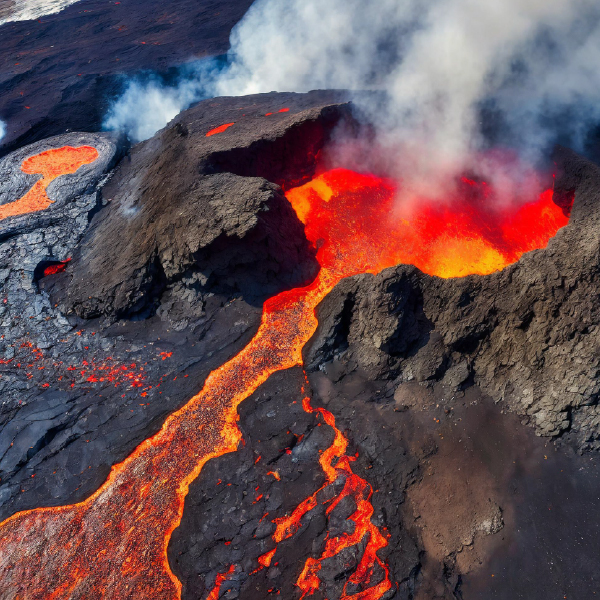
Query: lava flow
[
  {"x": 50, "y": 164},
  {"x": 336, "y": 464},
  {"x": 114, "y": 544},
  {"x": 219, "y": 129}
]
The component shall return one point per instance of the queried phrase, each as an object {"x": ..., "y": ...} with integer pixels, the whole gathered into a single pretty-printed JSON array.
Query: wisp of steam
[
  {"x": 2, "y": 130},
  {"x": 456, "y": 75}
]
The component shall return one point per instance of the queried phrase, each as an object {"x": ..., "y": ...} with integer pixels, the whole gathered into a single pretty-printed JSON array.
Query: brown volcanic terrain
[
  {"x": 58, "y": 73},
  {"x": 432, "y": 381}
]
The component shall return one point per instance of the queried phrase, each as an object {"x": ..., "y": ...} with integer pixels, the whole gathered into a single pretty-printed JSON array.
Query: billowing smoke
[
  {"x": 457, "y": 75},
  {"x": 149, "y": 103},
  {"x": 440, "y": 64},
  {"x": 2, "y": 130}
]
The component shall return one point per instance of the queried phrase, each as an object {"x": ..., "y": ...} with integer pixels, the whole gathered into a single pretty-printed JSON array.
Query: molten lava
[
  {"x": 56, "y": 268},
  {"x": 474, "y": 232},
  {"x": 221, "y": 578},
  {"x": 50, "y": 164},
  {"x": 114, "y": 544},
  {"x": 336, "y": 464},
  {"x": 219, "y": 129}
]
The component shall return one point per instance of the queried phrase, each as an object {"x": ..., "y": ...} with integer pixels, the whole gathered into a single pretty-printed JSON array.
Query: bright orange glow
[
  {"x": 265, "y": 559},
  {"x": 470, "y": 234},
  {"x": 219, "y": 129},
  {"x": 336, "y": 464},
  {"x": 50, "y": 164},
  {"x": 114, "y": 544},
  {"x": 220, "y": 579}
]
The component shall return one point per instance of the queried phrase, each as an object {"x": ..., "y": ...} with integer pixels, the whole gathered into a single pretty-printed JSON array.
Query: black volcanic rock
[
  {"x": 61, "y": 71},
  {"x": 527, "y": 335},
  {"x": 63, "y": 368},
  {"x": 31, "y": 241},
  {"x": 173, "y": 214},
  {"x": 188, "y": 235}
]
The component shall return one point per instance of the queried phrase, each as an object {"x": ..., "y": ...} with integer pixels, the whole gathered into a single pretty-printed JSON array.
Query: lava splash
[
  {"x": 114, "y": 544},
  {"x": 50, "y": 164}
]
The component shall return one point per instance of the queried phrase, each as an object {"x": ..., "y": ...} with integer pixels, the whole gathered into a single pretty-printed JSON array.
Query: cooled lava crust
[
  {"x": 61, "y": 71},
  {"x": 140, "y": 279}
]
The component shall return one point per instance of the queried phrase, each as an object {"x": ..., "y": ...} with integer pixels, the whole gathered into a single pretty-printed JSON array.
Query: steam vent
[{"x": 325, "y": 345}]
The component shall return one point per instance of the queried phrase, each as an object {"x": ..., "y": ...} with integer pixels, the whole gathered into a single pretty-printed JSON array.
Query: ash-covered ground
[{"x": 470, "y": 405}]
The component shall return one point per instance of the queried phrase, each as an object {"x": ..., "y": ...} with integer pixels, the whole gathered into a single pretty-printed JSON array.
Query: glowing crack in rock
[
  {"x": 50, "y": 164},
  {"x": 220, "y": 579},
  {"x": 219, "y": 129},
  {"x": 336, "y": 464},
  {"x": 114, "y": 544}
]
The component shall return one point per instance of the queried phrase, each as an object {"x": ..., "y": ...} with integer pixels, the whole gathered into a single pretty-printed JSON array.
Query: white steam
[
  {"x": 2, "y": 130},
  {"x": 25, "y": 10},
  {"x": 438, "y": 63},
  {"x": 147, "y": 105},
  {"x": 453, "y": 55}
]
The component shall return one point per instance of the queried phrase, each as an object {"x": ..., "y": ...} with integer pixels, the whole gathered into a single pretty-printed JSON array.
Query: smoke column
[
  {"x": 527, "y": 58},
  {"x": 442, "y": 65}
]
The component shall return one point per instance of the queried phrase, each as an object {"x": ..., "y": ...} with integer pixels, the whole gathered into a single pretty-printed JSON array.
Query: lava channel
[
  {"x": 370, "y": 579},
  {"x": 114, "y": 544},
  {"x": 50, "y": 164}
]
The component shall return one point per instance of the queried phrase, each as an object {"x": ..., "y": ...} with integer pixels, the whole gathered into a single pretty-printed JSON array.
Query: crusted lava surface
[
  {"x": 61, "y": 71},
  {"x": 149, "y": 269}
]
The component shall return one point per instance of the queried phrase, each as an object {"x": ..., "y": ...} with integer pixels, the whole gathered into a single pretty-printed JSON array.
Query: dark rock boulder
[{"x": 188, "y": 206}]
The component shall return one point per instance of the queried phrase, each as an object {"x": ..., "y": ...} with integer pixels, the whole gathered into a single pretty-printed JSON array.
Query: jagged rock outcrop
[
  {"x": 527, "y": 335},
  {"x": 188, "y": 206},
  {"x": 188, "y": 234}
]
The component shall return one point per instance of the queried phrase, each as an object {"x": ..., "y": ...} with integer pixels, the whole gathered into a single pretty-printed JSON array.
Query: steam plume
[
  {"x": 446, "y": 67},
  {"x": 2, "y": 130},
  {"x": 148, "y": 103}
]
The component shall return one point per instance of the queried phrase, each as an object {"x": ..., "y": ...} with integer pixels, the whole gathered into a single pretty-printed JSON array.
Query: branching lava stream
[{"x": 114, "y": 544}]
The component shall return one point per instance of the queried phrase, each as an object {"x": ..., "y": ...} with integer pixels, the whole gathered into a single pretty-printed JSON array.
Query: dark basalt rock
[
  {"x": 527, "y": 335},
  {"x": 173, "y": 213}
]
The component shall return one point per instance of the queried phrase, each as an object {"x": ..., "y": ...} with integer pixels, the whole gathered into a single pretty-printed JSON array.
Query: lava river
[{"x": 114, "y": 544}]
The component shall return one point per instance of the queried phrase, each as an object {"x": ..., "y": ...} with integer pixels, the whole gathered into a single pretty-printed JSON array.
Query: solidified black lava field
[
  {"x": 470, "y": 405},
  {"x": 442, "y": 409},
  {"x": 61, "y": 72}
]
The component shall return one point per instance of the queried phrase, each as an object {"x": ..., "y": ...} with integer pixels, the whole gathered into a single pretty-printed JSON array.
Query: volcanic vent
[{"x": 326, "y": 254}]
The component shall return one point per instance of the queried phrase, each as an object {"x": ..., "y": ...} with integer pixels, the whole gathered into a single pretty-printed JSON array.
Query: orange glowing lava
[
  {"x": 472, "y": 233},
  {"x": 219, "y": 129},
  {"x": 56, "y": 268},
  {"x": 220, "y": 579},
  {"x": 114, "y": 544},
  {"x": 50, "y": 164},
  {"x": 336, "y": 464}
]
